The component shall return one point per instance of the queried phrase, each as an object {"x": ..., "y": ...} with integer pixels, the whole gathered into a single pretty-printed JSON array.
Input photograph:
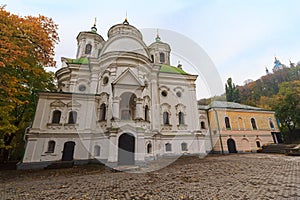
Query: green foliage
[
  {"x": 26, "y": 46},
  {"x": 267, "y": 86},
  {"x": 287, "y": 105},
  {"x": 278, "y": 91},
  {"x": 232, "y": 93}
]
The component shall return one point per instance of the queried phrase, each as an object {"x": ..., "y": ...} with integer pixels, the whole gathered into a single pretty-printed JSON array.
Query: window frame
[
  {"x": 166, "y": 118},
  {"x": 227, "y": 123},
  {"x": 181, "y": 118},
  {"x": 253, "y": 123},
  {"x": 51, "y": 146},
  {"x": 72, "y": 119},
  {"x": 168, "y": 147},
  {"x": 88, "y": 49},
  {"x": 203, "y": 125},
  {"x": 162, "y": 57},
  {"x": 97, "y": 150},
  {"x": 103, "y": 112},
  {"x": 56, "y": 117},
  {"x": 184, "y": 146}
]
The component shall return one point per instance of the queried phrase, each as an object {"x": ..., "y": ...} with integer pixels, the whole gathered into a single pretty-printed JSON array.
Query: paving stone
[{"x": 216, "y": 177}]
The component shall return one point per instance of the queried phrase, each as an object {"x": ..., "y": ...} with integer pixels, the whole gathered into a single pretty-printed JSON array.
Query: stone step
[{"x": 60, "y": 164}]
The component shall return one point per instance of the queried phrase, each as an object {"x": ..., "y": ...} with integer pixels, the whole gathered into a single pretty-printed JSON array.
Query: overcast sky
[{"x": 240, "y": 36}]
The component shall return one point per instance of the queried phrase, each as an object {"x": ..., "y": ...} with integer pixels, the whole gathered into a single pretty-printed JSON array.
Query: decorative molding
[
  {"x": 73, "y": 104},
  {"x": 57, "y": 103}
]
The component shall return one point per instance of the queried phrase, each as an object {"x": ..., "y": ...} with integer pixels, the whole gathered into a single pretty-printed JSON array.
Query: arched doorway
[
  {"x": 231, "y": 146},
  {"x": 126, "y": 149},
  {"x": 128, "y": 106},
  {"x": 245, "y": 145},
  {"x": 68, "y": 151}
]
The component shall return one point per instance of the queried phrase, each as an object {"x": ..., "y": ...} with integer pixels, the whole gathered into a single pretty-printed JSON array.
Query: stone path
[{"x": 216, "y": 177}]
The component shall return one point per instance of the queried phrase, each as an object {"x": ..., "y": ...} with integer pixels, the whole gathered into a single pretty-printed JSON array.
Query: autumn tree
[
  {"x": 26, "y": 47},
  {"x": 232, "y": 93},
  {"x": 287, "y": 106}
]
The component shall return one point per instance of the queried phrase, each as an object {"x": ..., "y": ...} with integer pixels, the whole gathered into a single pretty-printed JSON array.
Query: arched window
[
  {"x": 253, "y": 123},
  {"x": 51, "y": 146},
  {"x": 128, "y": 106},
  {"x": 181, "y": 118},
  {"x": 258, "y": 144},
  {"x": 161, "y": 57},
  {"x": 166, "y": 118},
  {"x": 146, "y": 113},
  {"x": 202, "y": 125},
  {"x": 241, "y": 124},
  {"x": 103, "y": 112},
  {"x": 271, "y": 124},
  {"x": 97, "y": 150},
  {"x": 168, "y": 147},
  {"x": 184, "y": 146},
  {"x": 149, "y": 148},
  {"x": 72, "y": 117},
  {"x": 88, "y": 49},
  {"x": 227, "y": 123},
  {"x": 56, "y": 117}
]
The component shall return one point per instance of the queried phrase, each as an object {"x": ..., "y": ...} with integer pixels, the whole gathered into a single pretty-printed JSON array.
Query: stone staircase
[
  {"x": 277, "y": 148},
  {"x": 60, "y": 164}
]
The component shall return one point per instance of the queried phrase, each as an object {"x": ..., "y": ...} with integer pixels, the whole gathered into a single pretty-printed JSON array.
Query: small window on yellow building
[
  {"x": 227, "y": 123},
  {"x": 253, "y": 123}
]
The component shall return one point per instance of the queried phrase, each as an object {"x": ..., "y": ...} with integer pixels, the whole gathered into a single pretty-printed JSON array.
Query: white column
[
  {"x": 94, "y": 83},
  {"x": 139, "y": 109},
  {"x": 113, "y": 146},
  {"x": 155, "y": 112},
  {"x": 140, "y": 147},
  {"x": 116, "y": 108}
]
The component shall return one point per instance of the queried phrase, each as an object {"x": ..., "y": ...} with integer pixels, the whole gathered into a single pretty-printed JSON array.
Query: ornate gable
[
  {"x": 57, "y": 103},
  {"x": 73, "y": 104},
  {"x": 128, "y": 78}
]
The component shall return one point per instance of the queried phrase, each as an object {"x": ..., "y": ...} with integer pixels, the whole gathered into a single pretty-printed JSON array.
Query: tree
[
  {"x": 287, "y": 105},
  {"x": 232, "y": 93},
  {"x": 26, "y": 47}
]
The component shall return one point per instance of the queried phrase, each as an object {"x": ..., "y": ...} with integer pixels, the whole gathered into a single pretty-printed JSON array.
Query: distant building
[
  {"x": 277, "y": 65},
  {"x": 240, "y": 128}
]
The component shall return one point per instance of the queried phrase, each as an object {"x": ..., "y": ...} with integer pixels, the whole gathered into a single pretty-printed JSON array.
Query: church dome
[
  {"x": 125, "y": 38},
  {"x": 124, "y": 29},
  {"x": 159, "y": 43}
]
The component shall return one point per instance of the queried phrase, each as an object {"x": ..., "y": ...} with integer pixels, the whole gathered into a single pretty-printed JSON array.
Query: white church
[{"x": 120, "y": 102}]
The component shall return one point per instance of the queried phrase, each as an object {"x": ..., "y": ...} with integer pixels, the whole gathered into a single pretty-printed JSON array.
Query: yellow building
[{"x": 236, "y": 128}]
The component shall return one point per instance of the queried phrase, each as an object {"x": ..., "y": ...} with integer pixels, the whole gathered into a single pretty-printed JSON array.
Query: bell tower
[
  {"x": 89, "y": 43},
  {"x": 160, "y": 51}
]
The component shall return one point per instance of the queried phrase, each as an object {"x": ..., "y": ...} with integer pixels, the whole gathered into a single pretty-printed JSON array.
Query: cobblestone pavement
[{"x": 240, "y": 176}]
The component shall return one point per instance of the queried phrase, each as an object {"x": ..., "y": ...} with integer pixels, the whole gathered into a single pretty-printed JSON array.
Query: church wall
[{"x": 186, "y": 103}]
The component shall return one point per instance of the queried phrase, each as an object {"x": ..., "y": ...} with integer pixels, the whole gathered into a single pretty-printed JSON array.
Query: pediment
[
  {"x": 57, "y": 103},
  {"x": 128, "y": 128},
  {"x": 73, "y": 104},
  {"x": 128, "y": 78}
]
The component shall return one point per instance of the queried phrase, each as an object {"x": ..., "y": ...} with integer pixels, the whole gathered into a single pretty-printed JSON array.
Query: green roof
[
  {"x": 82, "y": 61},
  {"x": 228, "y": 105},
  {"x": 232, "y": 105},
  {"x": 171, "y": 69}
]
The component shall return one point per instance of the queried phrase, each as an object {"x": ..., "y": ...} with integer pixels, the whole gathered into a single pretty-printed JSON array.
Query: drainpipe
[
  {"x": 220, "y": 137},
  {"x": 210, "y": 135}
]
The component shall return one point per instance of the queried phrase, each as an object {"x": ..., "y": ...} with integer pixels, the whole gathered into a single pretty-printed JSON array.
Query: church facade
[{"x": 121, "y": 102}]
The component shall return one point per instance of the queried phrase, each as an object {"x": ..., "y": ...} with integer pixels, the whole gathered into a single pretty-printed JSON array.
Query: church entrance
[
  {"x": 231, "y": 146},
  {"x": 126, "y": 149},
  {"x": 68, "y": 151},
  {"x": 128, "y": 106}
]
